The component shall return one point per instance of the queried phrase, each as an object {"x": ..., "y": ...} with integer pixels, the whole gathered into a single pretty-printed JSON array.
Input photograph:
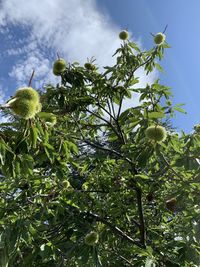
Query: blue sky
[
  {"x": 182, "y": 62},
  {"x": 33, "y": 31}
]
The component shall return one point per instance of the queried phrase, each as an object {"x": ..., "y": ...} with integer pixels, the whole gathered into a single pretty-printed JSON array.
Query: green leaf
[
  {"x": 156, "y": 115},
  {"x": 158, "y": 67},
  {"x": 134, "y": 46},
  {"x": 177, "y": 107},
  {"x": 34, "y": 136}
]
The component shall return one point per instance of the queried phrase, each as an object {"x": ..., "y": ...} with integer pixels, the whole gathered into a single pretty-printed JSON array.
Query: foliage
[{"x": 96, "y": 171}]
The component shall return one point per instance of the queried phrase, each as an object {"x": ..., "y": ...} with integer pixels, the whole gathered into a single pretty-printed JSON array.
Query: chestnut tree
[{"x": 86, "y": 181}]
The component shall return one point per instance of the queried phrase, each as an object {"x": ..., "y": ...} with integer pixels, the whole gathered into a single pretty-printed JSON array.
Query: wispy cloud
[
  {"x": 2, "y": 95},
  {"x": 75, "y": 28},
  {"x": 34, "y": 60}
]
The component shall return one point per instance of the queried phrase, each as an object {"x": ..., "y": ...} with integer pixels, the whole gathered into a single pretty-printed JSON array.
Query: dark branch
[
  {"x": 30, "y": 81},
  {"x": 114, "y": 228},
  {"x": 141, "y": 217}
]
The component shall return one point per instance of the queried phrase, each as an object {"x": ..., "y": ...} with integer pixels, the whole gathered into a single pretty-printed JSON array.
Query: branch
[
  {"x": 113, "y": 109},
  {"x": 122, "y": 257},
  {"x": 170, "y": 167},
  {"x": 165, "y": 28},
  {"x": 30, "y": 81},
  {"x": 110, "y": 151},
  {"x": 141, "y": 217},
  {"x": 113, "y": 117},
  {"x": 150, "y": 58},
  {"x": 108, "y": 104},
  {"x": 108, "y": 112},
  {"x": 103, "y": 119},
  {"x": 114, "y": 228},
  {"x": 103, "y": 148},
  {"x": 120, "y": 106}
]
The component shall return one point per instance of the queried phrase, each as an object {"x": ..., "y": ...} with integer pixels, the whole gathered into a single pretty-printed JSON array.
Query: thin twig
[
  {"x": 103, "y": 119},
  {"x": 171, "y": 168},
  {"x": 108, "y": 112},
  {"x": 113, "y": 109},
  {"x": 30, "y": 81},
  {"x": 120, "y": 106},
  {"x": 165, "y": 28},
  {"x": 109, "y": 106}
]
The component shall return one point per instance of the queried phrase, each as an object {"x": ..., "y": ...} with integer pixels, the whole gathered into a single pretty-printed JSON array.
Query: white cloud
[
  {"x": 2, "y": 95},
  {"x": 143, "y": 81},
  {"x": 74, "y": 28},
  {"x": 34, "y": 61},
  {"x": 2, "y": 101}
]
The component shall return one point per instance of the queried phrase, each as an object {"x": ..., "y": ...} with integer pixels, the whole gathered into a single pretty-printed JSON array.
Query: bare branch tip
[{"x": 31, "y": 78}]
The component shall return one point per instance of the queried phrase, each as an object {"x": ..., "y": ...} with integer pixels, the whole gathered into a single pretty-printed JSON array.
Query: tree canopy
[{"x": 86, "y": 181}]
